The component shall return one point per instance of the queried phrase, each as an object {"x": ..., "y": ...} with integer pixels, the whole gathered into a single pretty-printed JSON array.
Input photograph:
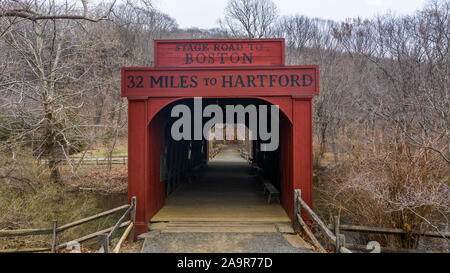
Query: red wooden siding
[{"x": 194, "y": 53}]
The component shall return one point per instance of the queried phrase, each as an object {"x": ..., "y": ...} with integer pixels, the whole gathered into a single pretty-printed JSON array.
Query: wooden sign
[
  {"x": 220, "y": 82},
  {"x": 196, "y": 53}
]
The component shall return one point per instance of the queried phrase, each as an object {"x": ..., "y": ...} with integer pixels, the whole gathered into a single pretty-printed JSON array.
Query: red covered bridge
[{"x": 222, "y": 72}]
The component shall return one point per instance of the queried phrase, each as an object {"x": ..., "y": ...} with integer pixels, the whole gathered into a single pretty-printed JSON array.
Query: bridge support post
[
  {"x": 302, "y": 150},
  {"x": 138, "y": 160},
  {"x": 297, "y": 210}
]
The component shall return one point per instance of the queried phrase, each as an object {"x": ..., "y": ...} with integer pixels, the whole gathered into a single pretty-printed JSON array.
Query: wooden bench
[{"x": 272, "y": 192}]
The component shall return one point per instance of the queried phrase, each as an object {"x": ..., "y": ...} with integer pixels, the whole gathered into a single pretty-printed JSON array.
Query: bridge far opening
[{"x": 214, "y": 180}]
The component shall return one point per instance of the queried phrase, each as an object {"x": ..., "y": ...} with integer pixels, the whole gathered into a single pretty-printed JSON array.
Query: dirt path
[{"x": 159, "y": 241}]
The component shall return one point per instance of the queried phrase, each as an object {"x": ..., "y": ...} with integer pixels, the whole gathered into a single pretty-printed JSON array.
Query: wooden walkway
[{"x": 225, "y": 192}]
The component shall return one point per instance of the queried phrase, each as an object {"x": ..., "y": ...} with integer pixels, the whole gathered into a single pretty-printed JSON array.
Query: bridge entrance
[{"x": 173, "y": 179}]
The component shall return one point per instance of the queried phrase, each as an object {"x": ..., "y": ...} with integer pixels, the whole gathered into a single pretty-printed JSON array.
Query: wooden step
[
  {"x": 217, "y": 223},
  {"x": 219, "y": 227}
]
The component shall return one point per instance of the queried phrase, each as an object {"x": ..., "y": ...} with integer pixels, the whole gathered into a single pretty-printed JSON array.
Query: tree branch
[{"x": 34, "y": 16}]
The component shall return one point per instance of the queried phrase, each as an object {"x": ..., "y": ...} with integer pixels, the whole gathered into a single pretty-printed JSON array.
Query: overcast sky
[{"x": 204, "y": 13}]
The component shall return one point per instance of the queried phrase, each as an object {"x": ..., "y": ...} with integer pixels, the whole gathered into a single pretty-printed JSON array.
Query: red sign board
[
  {"x": 196, "y": 53},
  {"x": 220, "y": 82}
]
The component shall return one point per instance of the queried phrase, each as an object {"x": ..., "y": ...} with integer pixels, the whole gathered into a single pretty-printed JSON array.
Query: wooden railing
[
  {"x": 214, "y": 152},
  {"x": 55, "y": 230},
  {"x": 95, "y": 160},
  {"x": 338, "y": 240},
  {"x": 382, "y": 230},
  {"x": 104, "y": 238},
  {"x": 245, "y": 155}
]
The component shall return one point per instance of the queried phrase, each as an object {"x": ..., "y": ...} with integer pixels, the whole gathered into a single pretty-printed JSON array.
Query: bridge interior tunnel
[{"x": 186, "y": 185}]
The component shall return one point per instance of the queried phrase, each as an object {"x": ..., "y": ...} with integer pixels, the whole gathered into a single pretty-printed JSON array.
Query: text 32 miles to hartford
[{"x": 225, "y": 81}]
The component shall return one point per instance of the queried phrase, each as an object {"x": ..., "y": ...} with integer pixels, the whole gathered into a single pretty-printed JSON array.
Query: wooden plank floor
[
  {"x": 225, "y": 193},
  {"x": 219, "y": 227}
]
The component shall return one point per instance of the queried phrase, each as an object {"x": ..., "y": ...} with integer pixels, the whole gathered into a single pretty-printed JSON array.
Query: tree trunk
[{"x": 50, "y": 145}]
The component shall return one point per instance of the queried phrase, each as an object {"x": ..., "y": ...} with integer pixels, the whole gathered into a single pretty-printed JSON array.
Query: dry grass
[
  {"x": 98, "y": 179},
  {"x": 391, "y": 184},
  {"x": 29, "y": 200}
]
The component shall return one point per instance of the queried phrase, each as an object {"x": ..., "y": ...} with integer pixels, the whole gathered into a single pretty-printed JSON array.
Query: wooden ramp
[{"x": 222, "y": 227}]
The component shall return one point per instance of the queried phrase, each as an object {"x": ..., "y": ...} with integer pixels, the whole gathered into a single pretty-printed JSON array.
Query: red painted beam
[
  {"x": 302, "y": 152},
  {"x": 215, "y": 82},
  {"x": 137, "y": 161}
]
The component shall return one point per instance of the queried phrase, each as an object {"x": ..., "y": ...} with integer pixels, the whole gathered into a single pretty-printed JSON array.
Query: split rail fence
[
  {"x": 338, "y": 240},
  {"x": 214, "y": 152},
  {"x": 104, "y": 236},
  {"x": 95, "y": 160}
]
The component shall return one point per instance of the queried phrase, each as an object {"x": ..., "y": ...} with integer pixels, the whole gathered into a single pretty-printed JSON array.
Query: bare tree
[
  {"x": 399, "y": 168},
  {"x": 249, "y": 18},
  {"x": 411, "y": 57},
  {"x": 139, "y": 26},
  {"x": 43, "y": 87},
  {"x": 299, "y": 32},
  {"x": 41, "y": 10}
]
